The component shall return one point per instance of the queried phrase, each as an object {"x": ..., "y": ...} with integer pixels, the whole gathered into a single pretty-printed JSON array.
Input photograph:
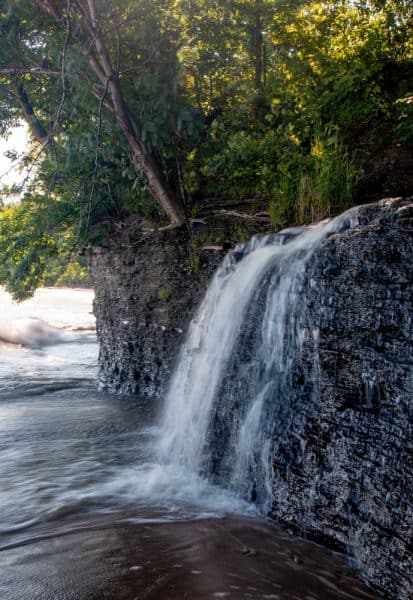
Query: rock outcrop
[
  {"x": 341, "y": 443},
  {"x": 338, "y": 424},
  {"x": 344, "y": 467},
  {"x": 147, "y": 285}
]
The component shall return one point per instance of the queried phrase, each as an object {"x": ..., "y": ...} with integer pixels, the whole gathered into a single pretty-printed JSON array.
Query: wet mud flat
[{"x": 235, "y": 558}]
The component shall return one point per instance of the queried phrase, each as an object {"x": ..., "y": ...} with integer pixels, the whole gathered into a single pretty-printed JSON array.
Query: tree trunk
[
  {"x": 256, "y": 47},
  {"x": 92, "y": 44},
  {"x": 37, "y": 129},
  {"x": 157, "y": 182}
]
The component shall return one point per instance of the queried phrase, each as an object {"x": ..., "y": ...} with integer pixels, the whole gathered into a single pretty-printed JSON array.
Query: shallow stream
[{"x": 88, "y": 508}]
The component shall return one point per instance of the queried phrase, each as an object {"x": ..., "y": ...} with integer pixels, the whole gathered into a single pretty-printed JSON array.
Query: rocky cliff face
[
  {"x": 341, "y": 446},
  {"x": 338, "y": 420},
  {"x": 343, "y": 467},
  {"x": 147, "y": 285}
]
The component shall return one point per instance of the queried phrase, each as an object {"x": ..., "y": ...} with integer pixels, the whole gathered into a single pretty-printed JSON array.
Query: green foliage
[
  {"x": 36, "y": 245},
  {"x": 270, "y": 99},
  {"x": 404, "y": 119},
  {"x": 335, "y": 68},
  {"x": 25, "y": 246},
  {"x": 328, "y": 186},
  {"x": 165, "y": 293},
  {"x": 61, "y": 273}
]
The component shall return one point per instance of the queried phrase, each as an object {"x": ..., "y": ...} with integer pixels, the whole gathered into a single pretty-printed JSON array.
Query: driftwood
[
  {"x": 216, "y": 203},
  {"x": 257, "y": 218}
]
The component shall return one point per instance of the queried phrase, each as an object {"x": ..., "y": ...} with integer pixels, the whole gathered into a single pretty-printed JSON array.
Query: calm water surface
[{"x": 88, "y": 510}]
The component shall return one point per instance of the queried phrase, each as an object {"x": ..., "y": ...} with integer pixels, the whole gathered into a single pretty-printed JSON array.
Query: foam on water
[
  {"x": 29, "y": 332},
  {"x": 46, "y": 341}
]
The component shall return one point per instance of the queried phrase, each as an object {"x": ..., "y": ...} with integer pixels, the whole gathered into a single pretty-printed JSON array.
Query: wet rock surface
[
  {"x": 147, "y": 285},
  {"x": 337, "y": 417},
  {"x": 343, "y": 468}
]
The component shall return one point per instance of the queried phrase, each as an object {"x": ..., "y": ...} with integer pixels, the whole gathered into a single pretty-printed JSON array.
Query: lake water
[{"x": 87, "y": 508}]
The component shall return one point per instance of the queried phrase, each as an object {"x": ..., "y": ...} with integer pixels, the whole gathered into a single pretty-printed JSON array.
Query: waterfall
[{"x": 230, "y": 387}]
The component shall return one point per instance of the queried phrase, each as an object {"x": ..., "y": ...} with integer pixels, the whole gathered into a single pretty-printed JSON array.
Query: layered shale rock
[
  {"x": 329, "y": 448},
  {"x": 343, "y": 469},
  {"x": 147, "y": 285},
  {"x": 321, "y": 418}
]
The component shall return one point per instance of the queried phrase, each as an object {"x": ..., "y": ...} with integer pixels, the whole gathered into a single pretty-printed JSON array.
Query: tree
[
  {"x": 153, "y": 107},
  {"x": 106, "y": 53}
]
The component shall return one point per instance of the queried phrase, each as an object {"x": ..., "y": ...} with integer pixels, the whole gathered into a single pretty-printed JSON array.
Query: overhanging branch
[
  {"x": 32, "y": 71},
  {"x": 35, "y": 125}
]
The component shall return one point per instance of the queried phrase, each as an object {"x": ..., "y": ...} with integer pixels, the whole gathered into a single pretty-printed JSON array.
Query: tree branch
[
  {"x": 96, "y": 164},
  {"x": 33, "y": 122},
  {"x": 32, "y": 71},
  {"x": 258, "y": 218},
  {"x": 48, "y": 8},
  {"x": 63, "y": 61}
]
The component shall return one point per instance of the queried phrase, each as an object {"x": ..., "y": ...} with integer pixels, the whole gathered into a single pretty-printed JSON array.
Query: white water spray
[
  {"x": 211, "y": 337},
  {"x": 280, "y": 260}
]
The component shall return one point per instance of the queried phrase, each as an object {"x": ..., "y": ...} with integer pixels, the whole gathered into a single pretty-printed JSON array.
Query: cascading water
[
  {"x": 210, "y": 339},
  {"x": 230, "y": 388}
]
